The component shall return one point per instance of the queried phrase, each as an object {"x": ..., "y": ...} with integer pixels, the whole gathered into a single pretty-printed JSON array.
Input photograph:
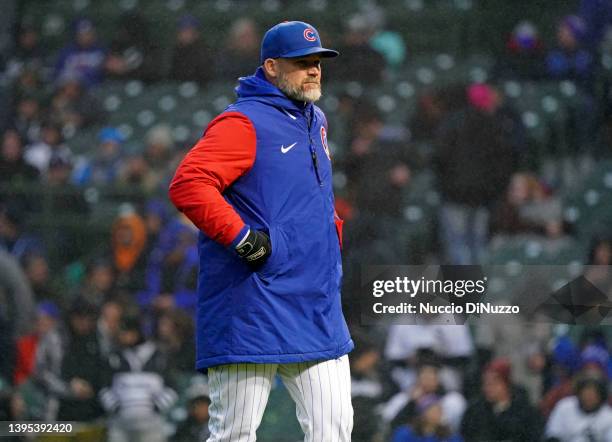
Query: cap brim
[{"x": 323, "y": 52}]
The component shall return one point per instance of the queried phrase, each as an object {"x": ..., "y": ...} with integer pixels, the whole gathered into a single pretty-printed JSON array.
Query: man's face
[
  {"x": 589, "y": 398},
  {"x": 493, "y": 387},
  {"x": 86, "y": 37},
  {"x": 300, "y": 78},
  {"x": 428, "y": 379}
]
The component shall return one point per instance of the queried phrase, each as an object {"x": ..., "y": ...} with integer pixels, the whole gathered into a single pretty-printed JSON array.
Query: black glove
[{"x": 255, "y": 248}]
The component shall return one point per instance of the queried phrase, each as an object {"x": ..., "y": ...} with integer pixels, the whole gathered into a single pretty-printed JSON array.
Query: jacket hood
[{"x": 257, "y": 87}]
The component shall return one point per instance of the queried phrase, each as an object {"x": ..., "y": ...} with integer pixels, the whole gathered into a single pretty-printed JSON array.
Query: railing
[{"x": 71, "y": 221}]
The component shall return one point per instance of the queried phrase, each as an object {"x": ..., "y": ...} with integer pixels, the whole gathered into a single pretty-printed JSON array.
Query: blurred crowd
[{"x": 106, "y": 335}]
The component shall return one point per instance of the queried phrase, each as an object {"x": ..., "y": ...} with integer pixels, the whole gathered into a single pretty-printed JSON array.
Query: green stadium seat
[
  {"x": 84, "y": 141},
  {"x": 533, "y": 250},
  {"x": 279, "y": 423}
]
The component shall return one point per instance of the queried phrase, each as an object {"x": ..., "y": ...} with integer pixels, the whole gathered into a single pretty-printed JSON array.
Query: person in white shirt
[{"x": 584, "y": 417}]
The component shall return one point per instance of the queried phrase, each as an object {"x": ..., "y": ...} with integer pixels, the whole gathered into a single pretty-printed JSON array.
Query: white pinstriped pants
[{"x": 321, "y": 390}]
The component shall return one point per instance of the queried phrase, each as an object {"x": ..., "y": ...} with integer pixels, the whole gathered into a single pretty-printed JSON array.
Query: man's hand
[
  {"x": 255, "y": 248},
  {"x": 81, "y": 389}
]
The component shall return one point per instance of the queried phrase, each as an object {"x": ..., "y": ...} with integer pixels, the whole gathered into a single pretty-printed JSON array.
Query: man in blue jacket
[{"x": 258, "y": 185}]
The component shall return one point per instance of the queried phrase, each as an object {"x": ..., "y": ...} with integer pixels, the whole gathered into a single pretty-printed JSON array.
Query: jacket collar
[{"x": 257, "y": 87}]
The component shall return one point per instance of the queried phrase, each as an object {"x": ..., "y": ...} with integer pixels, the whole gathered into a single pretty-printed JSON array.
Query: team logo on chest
[{"x": 324, "y": 141}]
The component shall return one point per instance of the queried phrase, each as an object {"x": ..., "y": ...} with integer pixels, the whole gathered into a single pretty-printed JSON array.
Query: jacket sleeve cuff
[{"x": 241, "y": 235}]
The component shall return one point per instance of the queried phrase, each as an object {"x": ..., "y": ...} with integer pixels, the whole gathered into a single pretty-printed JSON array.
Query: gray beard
[{"x": 296, "y": 92}]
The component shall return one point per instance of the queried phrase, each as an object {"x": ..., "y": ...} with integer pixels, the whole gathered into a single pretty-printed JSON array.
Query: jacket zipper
[{"x": 313, "y": 152}]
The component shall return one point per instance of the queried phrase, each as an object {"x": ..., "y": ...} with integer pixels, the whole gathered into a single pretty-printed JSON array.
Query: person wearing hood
[
  {"x": 13, "y": 167},
  {"x": 585, "y": 416},
  {"x": 137, "y": 396},
  {"x": 428, "y": 425},
  {"x": 258, "y": 185},
  {"x": 503, "y": 411},
  {"x": 103, "y": 169},
  {"x": 569, "y": 60},
  {"x": 128, "y": 241},
  {"x": 84, "y": 56}
]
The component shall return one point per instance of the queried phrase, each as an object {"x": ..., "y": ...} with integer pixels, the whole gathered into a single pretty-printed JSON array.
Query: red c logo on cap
[{"x": 309, "y": 34}]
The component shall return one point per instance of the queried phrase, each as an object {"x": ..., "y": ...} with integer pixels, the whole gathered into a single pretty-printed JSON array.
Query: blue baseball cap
[
  {"x": 292, "y": 39},
  {"x": 110, "y": 134}
]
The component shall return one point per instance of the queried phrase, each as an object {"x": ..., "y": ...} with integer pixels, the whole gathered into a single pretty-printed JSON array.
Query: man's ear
[{"x": 270, "y": 68}]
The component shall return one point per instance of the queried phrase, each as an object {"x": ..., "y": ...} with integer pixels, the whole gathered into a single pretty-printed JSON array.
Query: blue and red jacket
[{"x": 264, "y": 164}]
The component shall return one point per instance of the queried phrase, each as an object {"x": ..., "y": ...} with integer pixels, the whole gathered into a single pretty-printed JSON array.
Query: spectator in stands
[
  {"x": 240, "y": 54},
  {"x": 599, "y": 260},
  {"x": 36, "y": 268},
  {"x": 129, "y": 236},
  {"x": 27, "y": 117},
  {"x": 58, "y": 172},
  {"x": 361, "y": 62},
  {"x": 51, "y": 143},
  {"x": 28, "y": 52},
  {"x": 597, "y": 16},
  {"x": 565, "y": 360},
  {"x": 158, "y": 150},
  {"x": 428, "y": 425},
  {"x": 195, "y": 427},
  {"x": 527, "y": 208},
  {"x": 185, "y": 283},
  {"x": 16, "y": 311},
  {"x": 600, "y": 251},
  {"x": 25, "y": 351},
  {"x": 12, "y": 400},
  {"x": 433, "y": 108},
  {"x": 524, "y": 340},
  {"x": 175, "y": 338},
  {"x": 48, "y": 359},
  {"x": 13, "y": 167},
  {"x": 571, "y": 363},
  {"x": 403, "y": 407},
  {"x": 569, "y": 60},
  {"x": 104, "y": 168},
  {"x": 585, "y": 416},
  {"x": 473, "y": 162},
  {"x": 84, "y": 56},
  {"x": 173, "y": 256},
  {"x": 372, "y": 158},
  {"x": 390, "y": 44},
  {"x": 136, "y": 172},
  {"x": 108, "y": 326},
  {"x": 367, "y": 387},
  {"x": 191, "y": 58},
  {"x": 29, "y": 81},
  {"x": 133, "y": 53},
  {"x": 503, "y": 412},
  {"x": 13, "y": 238},
  {"x": 82, "y": 367},
  {"x": 524, "y": 55},
  {"x": 62, "y": 197},
  {"x": 452, "y": 343},
  {"x": 137, "y": 394},
  {"x": 72, "y": 107},
  {"x": 99, "y": 284},
  {"x": 156, "y": 215},
  {"x": 594, "y": 354}
]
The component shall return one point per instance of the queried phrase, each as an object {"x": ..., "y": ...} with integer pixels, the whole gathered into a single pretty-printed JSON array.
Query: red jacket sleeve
[{"x": 220, "y": 157}]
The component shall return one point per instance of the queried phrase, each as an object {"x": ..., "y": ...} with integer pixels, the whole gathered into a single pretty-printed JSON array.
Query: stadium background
[{"x": 422, "y": 85}]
